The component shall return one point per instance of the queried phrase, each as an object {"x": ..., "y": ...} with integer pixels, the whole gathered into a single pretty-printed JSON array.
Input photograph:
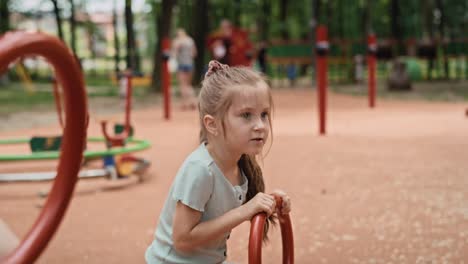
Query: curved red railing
[
  {"x": 256, "y": 237},
  {"x": 18, "y": 44}
]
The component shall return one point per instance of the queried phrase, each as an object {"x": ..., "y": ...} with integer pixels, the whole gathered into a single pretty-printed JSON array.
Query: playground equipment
[
  {"x": 118, "y": 163},
  {"x": 13, "y": 45},
  {"x": 25, "y": 78},
  {"x": 322, "y": 48},
  {"x": 166, "y": 77},
  {"x": 256, "y": 237},
  {"x": 124, "y": 164},
  {"x": 117, "y": 160},
  {"x": 133, "y": 146},
  {"x": 371, "y": 63}
]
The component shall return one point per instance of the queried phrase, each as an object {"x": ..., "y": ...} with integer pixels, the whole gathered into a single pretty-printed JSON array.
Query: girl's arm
[{"x": 189, "y": 233}]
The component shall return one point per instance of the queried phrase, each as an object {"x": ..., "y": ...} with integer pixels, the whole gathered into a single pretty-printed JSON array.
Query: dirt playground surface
[{"x": 388, "y": 185}]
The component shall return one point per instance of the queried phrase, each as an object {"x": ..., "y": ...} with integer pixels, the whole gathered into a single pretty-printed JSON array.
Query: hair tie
[{"x": 215, "y": 66}]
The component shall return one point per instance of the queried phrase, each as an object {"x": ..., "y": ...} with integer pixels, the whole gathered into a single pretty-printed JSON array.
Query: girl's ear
[{"x": 210, "y": 124}]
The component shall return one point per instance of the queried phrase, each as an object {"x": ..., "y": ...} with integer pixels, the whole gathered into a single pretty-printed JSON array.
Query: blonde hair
[{"x": 220, "y": 85}]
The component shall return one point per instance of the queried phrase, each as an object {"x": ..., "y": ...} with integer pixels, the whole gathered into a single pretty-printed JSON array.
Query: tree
[
  {"x": 133, "y": 60},
  {"x": 283, "y": 18},
  {"x": 163, "y": 25},
  {"x": 58, "y": 19},
  {"x": 428, "y": 32},
  {"x": 72, "y": 21},
  {"x": 200, "y": 32},
  {"x": 4, "y": 16},
  {"x": 441, "y": 23},
  {"x": 264, "y": 19},
  {"x": 395, "y": 26},
  {"x": 116, "y": 40}
]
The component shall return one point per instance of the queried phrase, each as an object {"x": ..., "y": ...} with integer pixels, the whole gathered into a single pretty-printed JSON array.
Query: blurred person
[
  {"x": 230, "y": 45},
  {"x": 185, "y": 51}
]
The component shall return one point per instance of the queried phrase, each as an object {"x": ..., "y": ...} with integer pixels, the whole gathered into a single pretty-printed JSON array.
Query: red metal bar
[
  {"x": 166, "y": 78},
  {"x": 322, "y": 49},
  {"x": 371, "y": 63},
  {"x": 14, "y": 45},
  {"x": 256, "y": 237}
]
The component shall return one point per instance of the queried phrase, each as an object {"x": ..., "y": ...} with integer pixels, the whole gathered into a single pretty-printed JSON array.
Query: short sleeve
[{"x": 193, "y": 185}]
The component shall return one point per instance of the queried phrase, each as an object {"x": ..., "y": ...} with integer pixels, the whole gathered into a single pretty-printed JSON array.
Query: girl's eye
[
  {"x": 246, "y": 115},
  {"x": 264, "y": 114}
]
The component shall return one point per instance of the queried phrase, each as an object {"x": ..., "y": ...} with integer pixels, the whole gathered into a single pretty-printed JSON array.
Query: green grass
[{"x": 14, "y": 97}]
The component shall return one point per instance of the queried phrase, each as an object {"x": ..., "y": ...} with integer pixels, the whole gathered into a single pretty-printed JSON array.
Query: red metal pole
[
  {"x": 322, "y": 50},
  {"x": 371, "y": 63},
  {"x": 166, "y": 77}
]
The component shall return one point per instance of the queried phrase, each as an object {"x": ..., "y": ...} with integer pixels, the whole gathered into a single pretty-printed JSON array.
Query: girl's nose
[{"x": 259, "y": 124}]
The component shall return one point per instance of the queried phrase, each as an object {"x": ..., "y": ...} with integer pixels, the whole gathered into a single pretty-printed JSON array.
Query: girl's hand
[
  {"x": 262, "y": 202},
  {"x": 286, "y": 206}
]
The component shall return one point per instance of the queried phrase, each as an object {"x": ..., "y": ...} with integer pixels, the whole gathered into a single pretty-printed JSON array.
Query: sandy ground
[{"x": 387, "y": 185}]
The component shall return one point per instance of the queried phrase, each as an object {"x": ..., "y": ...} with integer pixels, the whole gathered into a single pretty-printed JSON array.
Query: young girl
[{"x": 220, "y": 185}]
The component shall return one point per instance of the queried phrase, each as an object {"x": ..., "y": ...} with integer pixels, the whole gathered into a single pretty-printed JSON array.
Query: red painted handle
[
  {"x": 116, "y": 140},
  {"x": 14, "y": 45},
  {"x": 256, "y": 237}
]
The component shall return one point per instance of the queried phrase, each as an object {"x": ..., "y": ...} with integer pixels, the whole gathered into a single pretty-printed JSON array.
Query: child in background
[
  {"x": 220, "y": 184},
  {"x": 185, "y": 51}
]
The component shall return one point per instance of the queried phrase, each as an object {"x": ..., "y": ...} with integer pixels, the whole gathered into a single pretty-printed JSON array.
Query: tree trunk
[
  {"x": 131, "y": 59},
  {"x": 398, "y": 78},
  {"x": 237, "y": 13},
  {"x": 200, "y": 33},
  {"x": 341, "y": 19},
  {"x": 440, "y": 6},
  {"x": 427, "y": 26},
  {"x": 283, "y": 18},
  {"x": 4, "y": 16},
  {"x": 395, "y": 26},
  {"x": 58, "y": 19},
  {"x": 367, "y": 19},
  {"x": 116, "y": 40},
  {"x": 73, "y": 28},
  {"x": 263, "y": 22},
  {"x": 163, "y": 25}
]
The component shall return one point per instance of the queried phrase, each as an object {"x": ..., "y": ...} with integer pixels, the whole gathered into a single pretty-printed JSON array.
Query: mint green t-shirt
[{"x": 201, "y": 185}]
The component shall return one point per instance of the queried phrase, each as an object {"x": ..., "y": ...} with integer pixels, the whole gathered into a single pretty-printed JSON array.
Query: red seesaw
[{"x": 256, "y": 237}]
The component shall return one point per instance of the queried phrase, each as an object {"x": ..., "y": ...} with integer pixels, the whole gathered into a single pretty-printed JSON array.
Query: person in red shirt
[{"x": 230, "y": 45}]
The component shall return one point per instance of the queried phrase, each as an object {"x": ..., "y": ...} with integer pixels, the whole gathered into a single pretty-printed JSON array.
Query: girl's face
[{"x": 247, "y": 121}]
